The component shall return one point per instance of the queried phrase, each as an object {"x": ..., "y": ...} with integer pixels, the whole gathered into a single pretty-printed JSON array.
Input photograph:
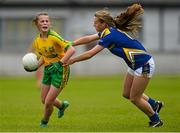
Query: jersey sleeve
[
  {"x": 105, "y": 41},
  {"x": 63, "y": 43},
  {"x": 60, "y": 41},
  {"x": 105, "y": 38},
  {"x": 35, "y": 49},
  {"x": 33, "y": 45},
  {"x": 67, "y": 44}
]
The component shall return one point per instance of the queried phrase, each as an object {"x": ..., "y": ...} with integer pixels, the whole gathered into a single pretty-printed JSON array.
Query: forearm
[
  {"x": 85, "y": 39},
  {"x": 41, "y": 62},
  {"x": 86, "y": 55},
  {"x": 68, "y": 54},
  {"x": 80, "y": 41},
  {"x": 81, "y": 57}
]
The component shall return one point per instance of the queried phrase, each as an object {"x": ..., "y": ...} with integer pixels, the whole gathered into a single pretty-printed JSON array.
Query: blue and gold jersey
[{"x": 122, "y": 45}]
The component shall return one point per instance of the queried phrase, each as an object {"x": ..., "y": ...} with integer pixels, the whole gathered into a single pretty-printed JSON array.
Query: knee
[
  {"x": 48, "y": 104},
  {"x": 134, "y": 100},
  {"x": 43, "y": 101},
  {"x": 125, "y": 95}
]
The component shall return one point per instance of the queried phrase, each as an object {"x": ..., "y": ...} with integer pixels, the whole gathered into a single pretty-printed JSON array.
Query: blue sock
[
  {"x": 154, "y": 118},
  {"x": 152, "y": 102}
]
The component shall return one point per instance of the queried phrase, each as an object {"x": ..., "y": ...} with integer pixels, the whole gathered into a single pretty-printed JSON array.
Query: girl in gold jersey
[{"x": 53, "y": 51}]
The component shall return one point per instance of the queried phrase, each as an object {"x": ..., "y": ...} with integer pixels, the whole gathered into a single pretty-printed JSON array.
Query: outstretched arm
[
  {"x": 85, "y": 39},
  {"x": 86, "y": 55}
]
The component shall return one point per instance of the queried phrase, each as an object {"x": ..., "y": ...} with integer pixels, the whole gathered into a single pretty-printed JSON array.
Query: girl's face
[
  {"x": 99, "y": 26},
  {"x": 43, "y": 23}
]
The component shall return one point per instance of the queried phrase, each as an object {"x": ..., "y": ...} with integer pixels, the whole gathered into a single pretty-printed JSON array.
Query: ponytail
[{"x": 128, "y": 21}]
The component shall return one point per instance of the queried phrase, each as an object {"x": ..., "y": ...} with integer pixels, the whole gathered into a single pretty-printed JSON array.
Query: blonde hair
[
  {"x": 127, "y": 21},
  {"x": 36, "y": 18},
  {"x": 105, "y": 16}
]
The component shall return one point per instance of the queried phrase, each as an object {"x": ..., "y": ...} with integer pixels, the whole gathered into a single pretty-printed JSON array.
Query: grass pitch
[{"x": 96, "y": 105}]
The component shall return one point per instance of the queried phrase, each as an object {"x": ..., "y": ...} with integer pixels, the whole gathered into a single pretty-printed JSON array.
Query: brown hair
[
  {"x": 127, "y": 21},
  {"x": 35, "y": 19}
]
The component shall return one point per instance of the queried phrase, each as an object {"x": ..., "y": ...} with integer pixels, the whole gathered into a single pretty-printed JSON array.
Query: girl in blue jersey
[{"x": 112, "y": 33}]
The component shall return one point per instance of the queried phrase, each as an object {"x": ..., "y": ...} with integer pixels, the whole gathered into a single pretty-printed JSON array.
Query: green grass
[{"x": 96, "y": 105}]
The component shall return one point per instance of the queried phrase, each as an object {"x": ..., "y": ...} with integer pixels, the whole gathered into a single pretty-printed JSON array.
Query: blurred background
[{"x": 160, "y": 33}]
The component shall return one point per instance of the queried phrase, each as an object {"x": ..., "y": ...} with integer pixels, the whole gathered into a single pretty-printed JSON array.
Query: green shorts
[{"x": 56, "y": 75}]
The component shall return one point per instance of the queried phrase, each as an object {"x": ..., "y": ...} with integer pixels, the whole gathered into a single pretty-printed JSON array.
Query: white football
[{"x": 30, "y": 61}]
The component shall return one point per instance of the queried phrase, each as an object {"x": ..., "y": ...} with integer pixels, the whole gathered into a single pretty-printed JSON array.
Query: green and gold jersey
[{"x": 52, "y": 48}]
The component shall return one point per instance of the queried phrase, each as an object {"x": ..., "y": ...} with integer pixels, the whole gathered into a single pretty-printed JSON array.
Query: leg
[
  {"x": 57, "y": 81},
  {"x": 127, "y": 87},
  {"x": 39, "y": 75},
  {"x": 44, "y": 92},
  {"x": 136, "y": 95},
  {"x": 57, "y": 103},
  {"x": 49, "y": 102}
]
